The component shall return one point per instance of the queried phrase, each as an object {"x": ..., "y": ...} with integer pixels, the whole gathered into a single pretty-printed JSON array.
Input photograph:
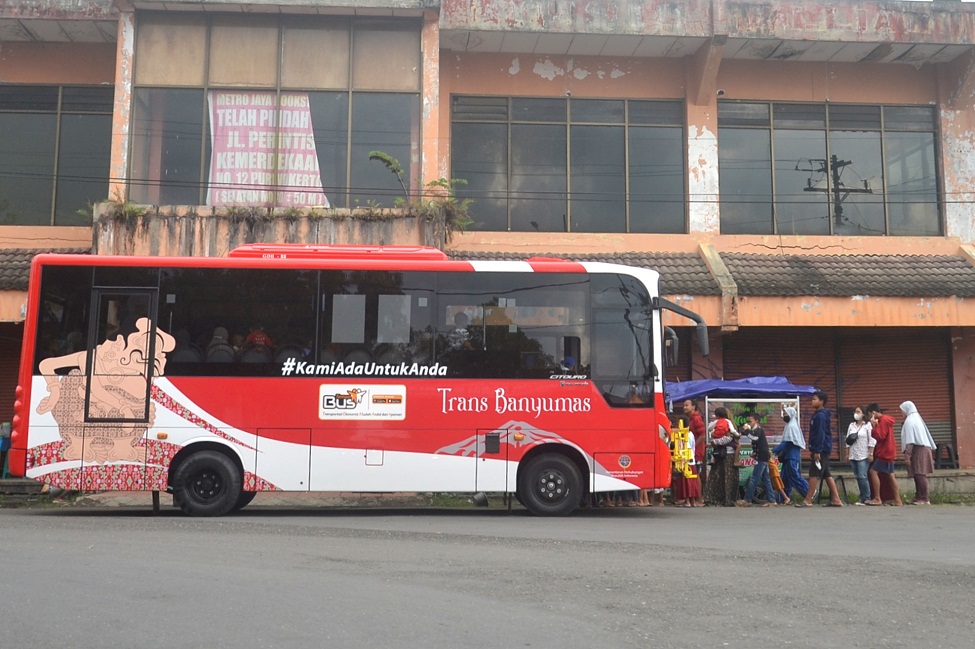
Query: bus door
[
  {"x": 492, "y": 455},
  {"x": 121, "y": 361}
]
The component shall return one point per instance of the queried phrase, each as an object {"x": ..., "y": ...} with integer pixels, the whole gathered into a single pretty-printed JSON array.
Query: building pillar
[
  {"x": 122, "y": 112},
  {"x": 956, "y": 84},
  {"x": 702, "y": 167},
  {"x": 963, "y": 370},
  {"x": 433, "y": 164}
]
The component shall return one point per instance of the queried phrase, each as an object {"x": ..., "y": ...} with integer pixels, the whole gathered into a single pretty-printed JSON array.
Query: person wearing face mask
[
  {"x": 919, "y": 449},
  {"x": 789, "y": 451},
  {"x": 884, "y": 454},
  {"x": 861, "y": 451}
]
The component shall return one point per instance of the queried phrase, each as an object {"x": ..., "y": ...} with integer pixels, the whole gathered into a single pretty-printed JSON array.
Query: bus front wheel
[
  {"x": 551, "y": 485},
  {"x": 207, "y": 483}
]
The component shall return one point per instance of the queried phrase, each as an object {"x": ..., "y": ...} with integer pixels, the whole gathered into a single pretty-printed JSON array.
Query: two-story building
[{"x": 799, "y": 171}]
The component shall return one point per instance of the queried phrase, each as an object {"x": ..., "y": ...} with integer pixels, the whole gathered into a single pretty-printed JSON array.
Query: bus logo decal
[
  {"x": 625, "y": 461},
  {"x": 348, "y": 400},
  {"x": 362, "y": 402}
]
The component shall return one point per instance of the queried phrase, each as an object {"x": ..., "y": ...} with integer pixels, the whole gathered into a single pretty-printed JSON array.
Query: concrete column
[
  {"x": 702, "y": 167},
  {"x": 433, "y": 164},
  {"x": 956, "y": 83},
  {"x": 122, "y": 112},
  {"x": 963, "y": 370}
]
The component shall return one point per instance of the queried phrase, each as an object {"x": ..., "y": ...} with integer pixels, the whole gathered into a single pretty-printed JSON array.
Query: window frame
[
  {"x": 827, "y": 129},
  {"x": 342, "y": 193},
  {"x": 512, "y": 116},
  {"x": 60, "y": 112}
]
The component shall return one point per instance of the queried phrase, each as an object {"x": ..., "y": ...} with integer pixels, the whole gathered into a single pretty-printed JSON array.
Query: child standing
[{"x": 753, "y": 430}]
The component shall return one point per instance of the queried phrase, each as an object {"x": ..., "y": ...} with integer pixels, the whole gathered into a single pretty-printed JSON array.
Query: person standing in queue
[
  {"x": 918, "y": 446},
  {"x": 760, "y": 452},
  {"x": 699, "y": 430},
  {"x": 861, "y": 451},
  {"x": 820, "y": 448},
  {"x": 884, "y": 454},
  {"x": 789, "y": 453},
  {"x": 722, "y": 485}
]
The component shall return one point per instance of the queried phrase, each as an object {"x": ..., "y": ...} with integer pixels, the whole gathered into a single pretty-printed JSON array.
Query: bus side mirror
[{"x": 671, "y": 347}]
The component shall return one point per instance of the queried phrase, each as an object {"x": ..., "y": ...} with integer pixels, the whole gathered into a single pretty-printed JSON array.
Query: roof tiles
[
  {"x": 15, "y": 265},
  {"x": 846, "y": 275},
  {"x": 686, "y": 273}
]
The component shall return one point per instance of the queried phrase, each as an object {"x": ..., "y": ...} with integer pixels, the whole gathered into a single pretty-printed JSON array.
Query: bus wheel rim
[
  {"x": 552, "y": 486},
  {"x": 207, "y": 485}
]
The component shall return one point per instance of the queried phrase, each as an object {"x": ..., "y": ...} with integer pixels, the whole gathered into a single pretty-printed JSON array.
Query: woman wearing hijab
[
  {"x": 789, "y": 452},
  {"x": 918, "y": 446}
]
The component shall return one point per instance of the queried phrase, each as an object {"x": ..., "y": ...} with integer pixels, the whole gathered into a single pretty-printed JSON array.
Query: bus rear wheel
[
  {"x": 550, "y": 485},
  {"x": 207, "y": 483}
]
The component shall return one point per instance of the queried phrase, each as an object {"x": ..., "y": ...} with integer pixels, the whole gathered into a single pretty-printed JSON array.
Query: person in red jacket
[
  {"x": 884, "y": 455},
  {"x": 700, "y": 432}
]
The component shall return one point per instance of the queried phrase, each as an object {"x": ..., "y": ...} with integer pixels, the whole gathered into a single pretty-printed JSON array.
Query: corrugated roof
[
  {"x": 15, "y": 265},
  {"x": 681, "y": 273},
  {"x": 845, "y": 275}
]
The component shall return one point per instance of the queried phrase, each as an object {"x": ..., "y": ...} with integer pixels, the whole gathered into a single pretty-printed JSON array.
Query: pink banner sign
[{"x": 263, "y": 150}]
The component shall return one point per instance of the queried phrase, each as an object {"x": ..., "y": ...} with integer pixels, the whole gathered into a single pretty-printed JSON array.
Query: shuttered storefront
[
  {"x": 804, "y": 355},
  {"x": 890, "y": 366},
  {"x": 854, "y": 367}
]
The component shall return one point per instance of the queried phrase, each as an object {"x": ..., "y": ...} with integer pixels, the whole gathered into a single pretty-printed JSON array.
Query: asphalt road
[{"x": 659, "y": 577}]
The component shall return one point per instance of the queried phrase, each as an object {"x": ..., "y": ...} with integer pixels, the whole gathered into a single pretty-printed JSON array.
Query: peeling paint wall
[
  {"x": 554, "y": 76},
  {"x": 58, "y": 9},
  {"x": 848, "y": 20},
  {"x": 957, "y": 102},
  {"x": 805, "y": 20},
  {"x": 122, "y": 115},
  {"x": 666, "y": 17},
  {"x": 958, "y": 166},
  {"x": 185, "y": 233},
  {"x": 434, "y": 165},
  {"x": 702, "y": 169}
]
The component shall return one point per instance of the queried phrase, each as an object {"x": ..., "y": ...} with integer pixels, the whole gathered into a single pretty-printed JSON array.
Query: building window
[
  {"x": 579, "y": 165},
  {"x": 828, "y": 169},
  {"x": 273, "y": 111},
  {"x": 55, "y": 153}
]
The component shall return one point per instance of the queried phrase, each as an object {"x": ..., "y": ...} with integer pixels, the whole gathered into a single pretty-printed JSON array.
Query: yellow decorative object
[{"x": 682, "y": 453}]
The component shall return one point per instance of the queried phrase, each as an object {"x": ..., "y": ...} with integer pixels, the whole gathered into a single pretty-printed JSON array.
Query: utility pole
[{"x": 833, "y": 167}]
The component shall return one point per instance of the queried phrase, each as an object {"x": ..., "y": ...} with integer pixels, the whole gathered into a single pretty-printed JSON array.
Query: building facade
[{"x": 800, "y": 171}]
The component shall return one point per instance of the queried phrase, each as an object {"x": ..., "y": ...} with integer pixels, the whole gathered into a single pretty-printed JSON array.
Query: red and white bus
[{"x": 342, "y": 368}]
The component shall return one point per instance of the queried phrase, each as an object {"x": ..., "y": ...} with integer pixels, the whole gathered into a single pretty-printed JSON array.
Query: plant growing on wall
[{"x": 442, "y": 202}]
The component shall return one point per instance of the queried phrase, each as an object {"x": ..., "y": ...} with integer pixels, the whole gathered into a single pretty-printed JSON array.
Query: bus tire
[
  {"x": 207, "y": 483},
  {"x": 550, "y": 485},
  {"x": 243, "y": 500}
]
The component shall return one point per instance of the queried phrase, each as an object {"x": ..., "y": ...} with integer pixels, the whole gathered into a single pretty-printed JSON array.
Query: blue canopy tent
[{"x": 755, "y": 386}]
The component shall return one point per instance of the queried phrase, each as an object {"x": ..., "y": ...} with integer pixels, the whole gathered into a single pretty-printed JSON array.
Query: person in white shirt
[{"x": 861, "y": 445}]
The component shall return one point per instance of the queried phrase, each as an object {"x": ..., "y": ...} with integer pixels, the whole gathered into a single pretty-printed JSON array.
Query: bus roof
[
  {"x": 329, "y": 251},
  {"x": 341, "y": 256}
]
